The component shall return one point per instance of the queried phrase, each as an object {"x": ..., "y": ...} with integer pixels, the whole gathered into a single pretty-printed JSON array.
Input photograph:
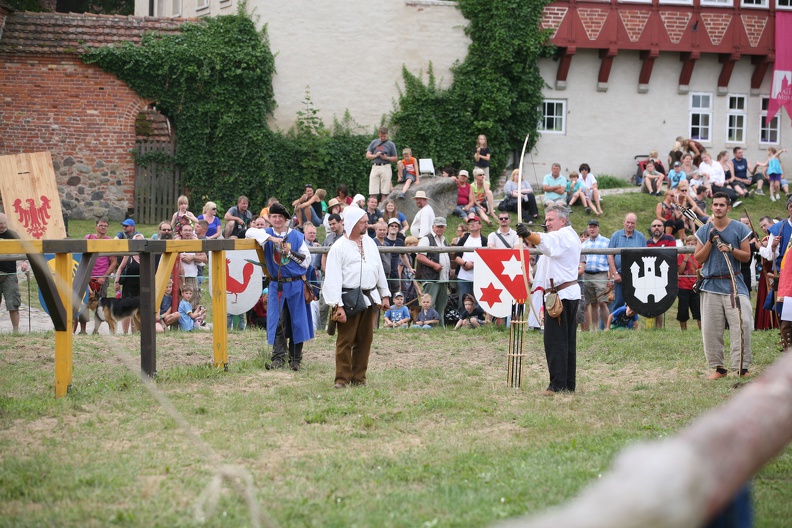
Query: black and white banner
[{"x": 649, "y": 279}]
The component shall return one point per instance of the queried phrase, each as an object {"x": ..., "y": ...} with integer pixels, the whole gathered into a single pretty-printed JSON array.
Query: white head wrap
[
  {"x": 352, "y": 216},
  {"x": 356, "y": 199}
]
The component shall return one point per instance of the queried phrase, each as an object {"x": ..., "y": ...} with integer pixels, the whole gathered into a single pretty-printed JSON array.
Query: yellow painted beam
[
  {"x": 246, "y": 243},
  {"x": 166, "y": 264},
  {"x": 107, "y": 246},
  {"x": 63, "y": 339},
  {"x": 10, "y": 247},
  {"x": 219, "y": 308},
  {"x": 185, "y": 246}
]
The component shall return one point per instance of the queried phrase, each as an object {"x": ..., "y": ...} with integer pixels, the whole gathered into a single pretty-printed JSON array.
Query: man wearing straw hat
[
  {"x": 9, "y": 284},
  {"x": 560, "y": 248},
  {"x": 354, "y": 263},
  {"x": 422, "y": 223}
]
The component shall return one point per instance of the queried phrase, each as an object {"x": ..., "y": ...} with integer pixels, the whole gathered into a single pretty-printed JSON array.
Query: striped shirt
[{"x": 596, "y": 263}]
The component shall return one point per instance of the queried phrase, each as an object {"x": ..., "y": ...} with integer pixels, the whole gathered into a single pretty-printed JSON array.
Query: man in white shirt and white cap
[
  {"x": 424, "y": 218},
  {"x": 354, "y": 262}
]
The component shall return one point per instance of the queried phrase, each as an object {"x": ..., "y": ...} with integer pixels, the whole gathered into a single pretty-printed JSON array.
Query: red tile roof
[{"x": 72, "y": 32}]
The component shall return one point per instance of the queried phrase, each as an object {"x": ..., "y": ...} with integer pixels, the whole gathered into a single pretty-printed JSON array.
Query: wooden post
[
  {"x": 148, "y": 309},
  {"x": 220, "y": 328},
  {"x": 63, "y": 338}
]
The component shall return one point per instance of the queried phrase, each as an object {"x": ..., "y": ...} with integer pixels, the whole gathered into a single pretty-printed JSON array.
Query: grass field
[{"x": 435, "y": 439}]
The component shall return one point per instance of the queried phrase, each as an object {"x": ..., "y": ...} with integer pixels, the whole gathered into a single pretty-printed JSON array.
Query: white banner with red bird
[
  {"x": 498, "y": 280},
  {"x": 30, "y": 196},
  {"x": 243, "y": 281}
]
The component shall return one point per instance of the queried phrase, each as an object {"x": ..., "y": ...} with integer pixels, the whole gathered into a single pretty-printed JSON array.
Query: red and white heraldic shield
[{"x": 498, "y": 279}]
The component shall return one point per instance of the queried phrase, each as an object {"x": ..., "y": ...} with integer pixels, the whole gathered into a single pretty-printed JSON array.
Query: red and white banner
[
  {"x": 781, "y": 90},
  {"x": 498, "y": 279}
]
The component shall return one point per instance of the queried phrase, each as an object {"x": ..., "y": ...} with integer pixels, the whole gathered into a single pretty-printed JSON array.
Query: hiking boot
[
  {"x": 276, "y": 364},
  {"x": 294, "y": 366}
]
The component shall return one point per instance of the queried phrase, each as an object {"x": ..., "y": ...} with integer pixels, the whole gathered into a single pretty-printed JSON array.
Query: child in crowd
[
  {"x": 774, "y": 171},
  {"x": 428, "y": 317},
  {"x": 166, "y": 316},
  {"x": 257, "y": 316},
  {"x": 189, "y": 319},
  {"x": 676, "y": 175},
  {"x": 407, "y": 170},
  {"x": 398, "y": 316},
  {"x": 653, "y": 179},
  {"x": 622, "y": 318},
  {"x": 472, "y": 316},
  {"x": 182, "y": 216},
  {"x": 575, "y": 190}
]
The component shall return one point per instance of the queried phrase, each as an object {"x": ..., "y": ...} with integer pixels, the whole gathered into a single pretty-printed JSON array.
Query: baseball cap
[
  {"x": 463, "y": 172},
  {"x": 440, "y": 221},
  {"x": 128, "y": 222},
  {"x": 399, "y": 294},
  {"x": 677, "y": 164},
  {"x": 394, "y": 221},
  {"x": 593, "y": 222},
  {"x": 474, "y": 218}
]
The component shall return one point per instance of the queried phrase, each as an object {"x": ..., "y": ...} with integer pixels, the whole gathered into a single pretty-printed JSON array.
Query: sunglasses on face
[{"x": 503, "y": 218}]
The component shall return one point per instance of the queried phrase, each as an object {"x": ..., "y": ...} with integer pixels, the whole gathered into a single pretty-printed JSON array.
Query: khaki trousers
[
  {"x": 716, "y": 309},
  {"x": 353, "y": 346}
]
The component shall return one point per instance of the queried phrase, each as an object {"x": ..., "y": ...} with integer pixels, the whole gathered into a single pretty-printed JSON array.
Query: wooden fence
[{"x": 157, "y": 183}]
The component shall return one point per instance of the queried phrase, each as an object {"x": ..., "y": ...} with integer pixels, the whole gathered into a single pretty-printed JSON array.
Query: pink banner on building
[{"x": 781, "y": 90}]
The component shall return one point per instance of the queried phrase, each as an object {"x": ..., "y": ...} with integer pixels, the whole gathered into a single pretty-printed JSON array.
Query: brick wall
[{"x": 84, "y": 117}]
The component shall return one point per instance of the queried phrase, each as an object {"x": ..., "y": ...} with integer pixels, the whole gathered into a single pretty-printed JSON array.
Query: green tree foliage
[
  {"x": 214, "y": 81},
  {"x": 496, "y": 90}
]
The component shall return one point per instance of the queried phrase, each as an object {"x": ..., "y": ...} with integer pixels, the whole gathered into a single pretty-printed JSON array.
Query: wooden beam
[
  {"x": 688, "y": 64},
  {"x": 166, "y": 264},
  {"x": 81, "y": 279},
  {"x": 148, "y": 309},
  {"x": 219, "y": 309},
  {"x": 648, "y": 57},
  {"x": 63, "y": 336},
  {"x": 761, "y": 63},
  {"x": 606, "y": 62},
  {"x": 727, "y": 67},
  {"x": 564, "y": 63}
]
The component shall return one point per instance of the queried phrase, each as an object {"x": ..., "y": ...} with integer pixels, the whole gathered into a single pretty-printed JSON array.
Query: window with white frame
[
  {"x": 676, "y": 2},
  {"x": 717, "y": 3},
  {"x": 177, "y": 8},
  {"x": 201, "y": 4},
  {"x": 701, "y": 116},
  {"x": 553, "y": 116},
  {"x": 753, "y": 3},
  {"x": 783, "y": 4},
  {"x": 735, "y": 119},
  {"x": 768, "y": 131}
]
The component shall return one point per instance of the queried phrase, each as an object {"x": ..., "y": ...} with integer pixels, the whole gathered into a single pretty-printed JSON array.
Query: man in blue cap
[{"x": 129, "y": 230}]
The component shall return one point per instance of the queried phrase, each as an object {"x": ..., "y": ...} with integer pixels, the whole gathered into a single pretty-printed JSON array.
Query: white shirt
[
  {"x": 345, "y": 270},
  {"x": 494, "y": 241},
  {"x": 715, "y": 173},
  {"x": 589, "y": 181},
  {"x": 561, "y": 255},
  {"x": 463, "y": 274},
  {"x": 445, "y": 258},
  {"x": 262, "y": 236},
  {"x": 423, "y": 221}
]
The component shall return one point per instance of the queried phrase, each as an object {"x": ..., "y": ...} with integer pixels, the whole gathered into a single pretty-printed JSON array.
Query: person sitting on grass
[
  {"x": 472, "y": 316},
  {"x": 189, "y": 319},
  {"x": 653, "y": 180},
  {"x": 623, "y": 318},
  {"x": 166, "y": 316},
  {"x": 575, "y": 191},
  {"x": 398, "y": 316},
  {"x": 428, "y": 317}
]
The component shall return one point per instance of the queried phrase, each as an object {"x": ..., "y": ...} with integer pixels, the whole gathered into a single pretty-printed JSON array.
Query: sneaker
[
  {"x": 759, "y": 192},
  {"x": 772, "y": 198},
  {"x": 401, "y": 196},
  {"x": 588, "y": 210},
  {"x": 738, "y": 203},
  {"x": 751, "y": 193}
]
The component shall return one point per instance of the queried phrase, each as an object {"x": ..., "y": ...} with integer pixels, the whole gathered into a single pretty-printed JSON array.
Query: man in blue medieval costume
[{"x": 287, "y": 258}]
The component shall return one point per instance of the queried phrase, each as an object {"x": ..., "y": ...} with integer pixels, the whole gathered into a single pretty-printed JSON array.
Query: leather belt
[
  {"x": 283, "y": 280},
  {"x": 562, "y": 286},
  {"x": 595, "y": 272}
]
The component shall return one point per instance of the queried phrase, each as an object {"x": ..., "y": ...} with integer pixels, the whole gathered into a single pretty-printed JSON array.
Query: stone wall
[{"x": 84, "y": 117}]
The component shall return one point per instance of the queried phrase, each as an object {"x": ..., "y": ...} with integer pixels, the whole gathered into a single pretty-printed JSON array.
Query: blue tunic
[{"x": 291, "y": 293}]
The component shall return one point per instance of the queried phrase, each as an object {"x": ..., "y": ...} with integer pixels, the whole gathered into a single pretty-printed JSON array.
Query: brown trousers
[{"x": 353, "y": 346}]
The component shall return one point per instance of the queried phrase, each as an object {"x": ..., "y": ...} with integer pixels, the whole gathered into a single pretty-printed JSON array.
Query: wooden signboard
[{"x": 30, "y": 196}]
